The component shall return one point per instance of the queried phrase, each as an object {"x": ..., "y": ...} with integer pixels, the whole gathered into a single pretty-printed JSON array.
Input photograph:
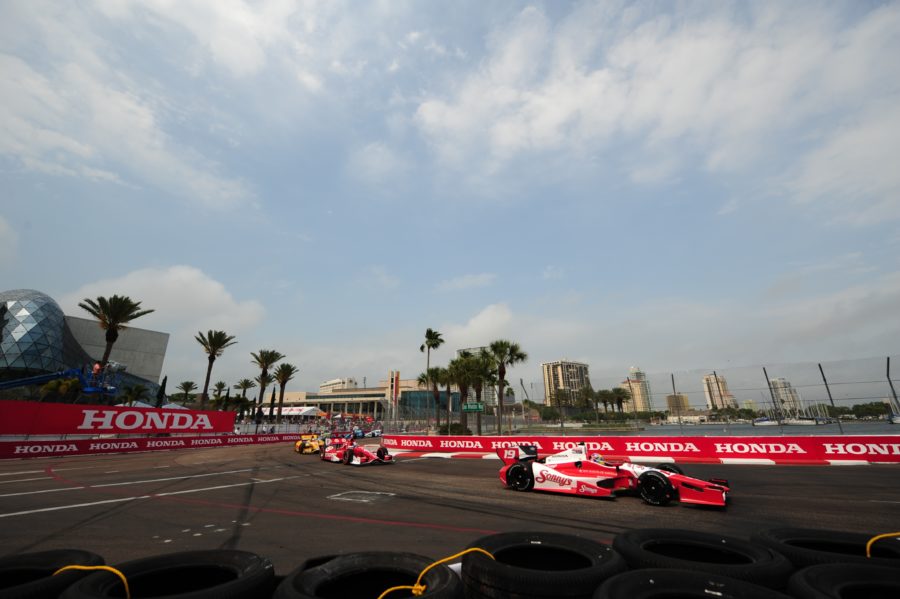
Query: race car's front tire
[
  {"x": 519, "y": 477},
  {"x": 670, "y": 467},
  {"x": 381, "y": 453},
  {"x": 655, "y": 488},
  {"x": 703, "y": 552},
  {"x": 537, "y": 565}
]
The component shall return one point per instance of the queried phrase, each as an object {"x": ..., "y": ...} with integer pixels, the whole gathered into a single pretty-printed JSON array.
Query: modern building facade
[
  {"x": 563, "y": 380},
  {"x": 787, "y": 398},
  {"x": 639, "y": 387},
  {"x": 677, "y": 403},
  {"x": 37, "y": 338},
  {"x": 715, "y": 388}
]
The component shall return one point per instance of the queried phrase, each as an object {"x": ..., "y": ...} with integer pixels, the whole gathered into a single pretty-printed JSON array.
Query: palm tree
[
  {"x": 113, "y": 314},
  {"x": 284, "y": 373},
  {"x": 214, "y": 343},
  {"x": 243, "y": 385},
  {"x": 263, "y": 381},
  {"x": 430, "y": 379},
  {"x": 134, "y": 393},
  {"x": 444, "y": 377},
  {"x": 504, "y": 353},
  {"x": 620, "y": 397},
  {"x": 462, "y": 371},
  {"x": 433, "y": 340},
  {"x": 218, "y": 390},
  {"x": 482, "y": 375},
  {"x": 187, "y": 387},
  {"x": 265, "y": 359}
]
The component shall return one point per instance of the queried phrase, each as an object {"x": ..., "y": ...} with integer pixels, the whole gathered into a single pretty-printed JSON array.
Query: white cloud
[
  {"x": 466, "y": 282},
  {"x": 727, "y": 94},
  {"x": 552, "y": 273},
  {"x": 185, "y": 301},
  {"x": 376, "y": 163},
  {"x": 493, "y": 322},
  {"x": 379, "y": 276}
]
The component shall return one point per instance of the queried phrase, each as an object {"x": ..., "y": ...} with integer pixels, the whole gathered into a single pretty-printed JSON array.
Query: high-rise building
[
  {"x": 639, "y": 387},
  {"x": 787, "y": 399},
  {"x": 563, "y": 380},
  {"x": 715, "y": 388},
  {"x": 677, "y": 403}
]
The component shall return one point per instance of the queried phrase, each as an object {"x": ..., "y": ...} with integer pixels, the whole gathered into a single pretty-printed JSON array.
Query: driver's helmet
[{"x": 596, "y": 457}]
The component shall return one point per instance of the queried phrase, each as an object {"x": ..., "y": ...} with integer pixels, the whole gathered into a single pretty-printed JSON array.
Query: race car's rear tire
[
  {"x": 809, "y": 547},
  {"x": 212, "y": 574},
  {"x": 670, "y": 467},
  {"x": 520, "y": 477},
  {"x": 840, "y": 581},
  {"x": 703, "y": 552},
  {"x": 659, "y": 583},
  {"x": 369, "y": 574},
  {"x": 655, "y": 488},
  {"x": 30, "y": 575},
  {"x": 537, "y": 564}
]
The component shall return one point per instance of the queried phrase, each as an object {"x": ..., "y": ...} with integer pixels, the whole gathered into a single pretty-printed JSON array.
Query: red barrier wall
[
  {"x": 857, "y": 449},
  {"x": 37, "y": 418},
  {"x": 40, "y": 449}
]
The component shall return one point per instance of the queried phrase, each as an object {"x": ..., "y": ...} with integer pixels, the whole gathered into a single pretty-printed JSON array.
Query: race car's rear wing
[{"x": 520, "y": 452}]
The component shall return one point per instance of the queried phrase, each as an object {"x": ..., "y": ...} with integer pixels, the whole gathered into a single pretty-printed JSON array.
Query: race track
[{"x": 269, "y": 500}]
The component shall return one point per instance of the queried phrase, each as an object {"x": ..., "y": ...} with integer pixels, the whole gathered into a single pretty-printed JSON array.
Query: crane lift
[{"x": 106, "y": 382}]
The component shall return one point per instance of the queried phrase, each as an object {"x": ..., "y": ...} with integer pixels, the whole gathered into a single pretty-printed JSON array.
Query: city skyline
[{"x": 680, "y": 185}]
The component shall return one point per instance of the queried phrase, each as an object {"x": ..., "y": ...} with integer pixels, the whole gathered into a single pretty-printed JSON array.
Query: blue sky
[{"x": 675, "y": 185}]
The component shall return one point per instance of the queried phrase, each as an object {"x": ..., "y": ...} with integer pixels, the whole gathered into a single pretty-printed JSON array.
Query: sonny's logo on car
[
  {"x": 552, "y": 477},
  {"x": 588, "y": 489}
]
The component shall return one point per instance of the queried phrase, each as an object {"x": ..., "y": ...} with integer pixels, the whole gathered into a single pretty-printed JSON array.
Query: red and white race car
[
  {"x": 572, "y": 472},
  {"x": 348, "y": 451}
]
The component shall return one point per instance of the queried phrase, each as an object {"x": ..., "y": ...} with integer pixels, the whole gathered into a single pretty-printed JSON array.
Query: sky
[{"x": 669, "y": 185}]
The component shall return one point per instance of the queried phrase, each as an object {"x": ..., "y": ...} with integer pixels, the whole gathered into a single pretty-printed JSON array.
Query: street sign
[{"x": 473, "y": 406}]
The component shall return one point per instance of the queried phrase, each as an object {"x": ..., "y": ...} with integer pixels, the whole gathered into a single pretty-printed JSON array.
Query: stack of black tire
[{"x": 639, "y": 564}]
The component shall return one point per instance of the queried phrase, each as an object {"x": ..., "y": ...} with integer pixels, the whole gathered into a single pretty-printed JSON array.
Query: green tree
[
  {"x": 214, "y": 344},
  {"x": 445, "y": 377},
  {"x": 621, "y": 396},
  {"x": 283, "y": 374},
  {"x": 433, "y": 340},
  {"x": 430, "y": 380},
  {"x": 61, "y": 390},
  {"x": 605, "y": 397},
  {"x": 187, "y": 387},
  {"x": 135, "y": 393},
  {"x": 113, "y": 314},
  {"x": 243, "y": 386},
  {"x": 482, "y": 376},
  {"x": 462, "y": 370},
  {"x": 265, "y": 359},
  {"x": 219, "y": 391},
  {"x": 504, "y": 354}
]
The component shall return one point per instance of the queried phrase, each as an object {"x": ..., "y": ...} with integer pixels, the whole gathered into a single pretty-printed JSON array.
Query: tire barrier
[
  {"x": 369, "y": 574},
  {"x": 810, "y": 547},
  {"x": 537, "y": 564},
  {"x": 658, "y": 583},
  {"x": 704, "y": 552},
  {"x": 214, "y": 574},
  {"x": 845, "y": 581},
  {"x": 30, "y": 575}
]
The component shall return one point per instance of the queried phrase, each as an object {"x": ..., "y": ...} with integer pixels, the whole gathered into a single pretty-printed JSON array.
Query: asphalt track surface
[{"x": 288, "y": 507}]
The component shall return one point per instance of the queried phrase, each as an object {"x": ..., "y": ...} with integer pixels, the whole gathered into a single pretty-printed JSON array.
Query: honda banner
[
  {"x": 725, "y": 450},
  {"x": 36, "y": 418}
]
